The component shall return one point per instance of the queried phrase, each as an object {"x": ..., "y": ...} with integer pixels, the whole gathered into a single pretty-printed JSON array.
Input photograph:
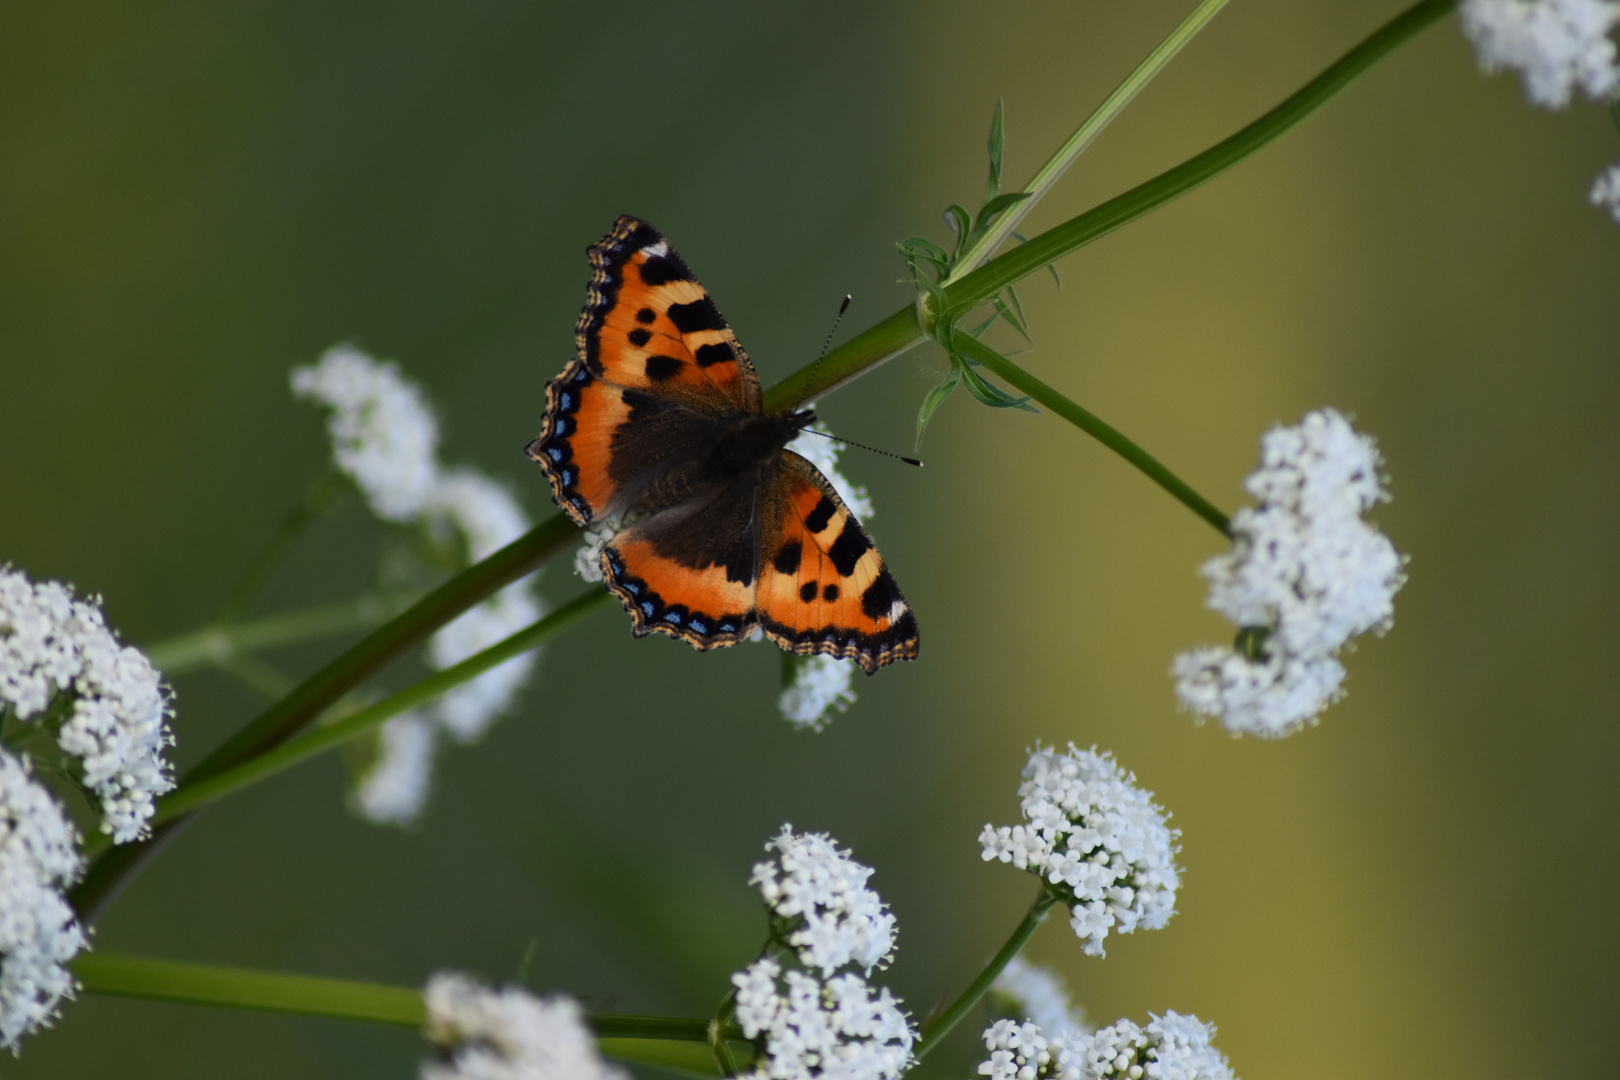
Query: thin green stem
[
  {"x": 1084, "y": 136},
  {"x": 1025, "y": 259},
  {"x": 316, "y": 502},
  {"x": 193, "y": 794},
  {"x": 216, "y": 643},
  {"x": 1096, "y": 428},
  {"x": 313, "y": 696},
  {"x": 902, "y": 330},
  {"x": 646, "y": 1039},
  {"x": 935, "y": 1032}
]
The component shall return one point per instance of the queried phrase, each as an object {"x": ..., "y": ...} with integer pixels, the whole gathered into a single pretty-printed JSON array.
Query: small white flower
[
  {"x": 117, "y": 726},
  {"x": 837, "y": 919},
  {"x": 822, "y": 452},
  {"x": 1306, "y": 571},
  {"x": 588, "y": 559},
  {"x": 39, "y": 858},
  {"x": 393, "y": 788},
  {"x": 508, "y": 1034},
  {"x": 384, "y": 434},
  {"x": 1171, "y": 1047},
  {"x": 1556, "y": 45},
  {"x": 489, "y": 518},
  {"x": 1039, "y": 995},
  {"x": 1096, "y": 839},
  {"x": 821, "y": 685},
  {"x": 1024, "y": 1052},
  {"x": 834, "y": 1029},
  {"x": 1605, "y": 191}
]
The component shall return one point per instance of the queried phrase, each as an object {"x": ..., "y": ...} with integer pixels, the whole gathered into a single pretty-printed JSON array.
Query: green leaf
[
  {"x": 997, "y": 205},
  {"x": 961, "y": 223},
  {"x": 978, "y": 332},
  {"x": 914, "y": 248},
  {"x": 1022, "y": 324},
  {"x": 993, "y": 396},
  {"x": 997, "y": 138},
  {"x": 936, "y": 397}
]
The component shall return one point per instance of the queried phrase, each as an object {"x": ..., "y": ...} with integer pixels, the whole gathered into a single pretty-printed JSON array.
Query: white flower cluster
[
  {"x": 39, "y": 858},
  {"x": 1556, "y": 45},
  {"x": 1023, "y": 1052},
  {"x": 1171, "y": 1047},
  {"x": 1038, "y": 994},
  {"x": 117, "y": 725},
  {"x": 1096, "y": 839},
  {"x": 836, "y": 1028},
  {"x": 822, "y": 892},
  {"x": 385, "y": 437},
  {"x": 832, "y": 1026},
  {"x": 507, "y": 1034},
  {"x": 821, "y": 685},
  {"x": 1305, "y": 571}
]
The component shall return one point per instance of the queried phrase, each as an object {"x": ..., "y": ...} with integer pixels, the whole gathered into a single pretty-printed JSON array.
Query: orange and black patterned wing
[
  {"x": 823, "y": 587},
  {"x": 694, "y": 580},
  {"x": 648, "y": 325},
  {"x": 648, "y": 333}
]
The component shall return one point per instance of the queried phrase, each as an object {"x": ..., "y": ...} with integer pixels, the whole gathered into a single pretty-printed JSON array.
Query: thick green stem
[
  {"x": 1096, "y": 428},
  {"x": 934, "y": 1033},
  {"x": 1084, "y": 136},
  {"x": 193, "y": 794},
  {"x": 1008, "y": 268},
  {"x": 216, "y": 644},
  {"x": 654, "y": 1040}
]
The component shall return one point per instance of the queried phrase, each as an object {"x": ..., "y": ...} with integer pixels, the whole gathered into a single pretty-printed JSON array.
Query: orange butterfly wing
[
  {"x": 647, "y": 327},
  {"x": 823, "y": 587}
]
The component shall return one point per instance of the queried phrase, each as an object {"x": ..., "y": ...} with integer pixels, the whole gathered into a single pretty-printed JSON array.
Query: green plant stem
[
  {"x": 286, "y": 717},
  {"x": 191, "y": 795},
  {"x": 1020, "y": 379},
  {"x": 935, "y": 1031},
  {"x": 902, "y": 330},
  {"x": 631, "y": 1038},
  {"x": 315, "y": 502},
  {"x": 215, "y": 643},
  {"x": 1084, "y": 136},
  {"x": 1009, "y": 267}
]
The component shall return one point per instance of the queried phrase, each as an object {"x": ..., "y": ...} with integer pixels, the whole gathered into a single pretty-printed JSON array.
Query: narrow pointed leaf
[
  {"x": 993, "y": 396},
  {"x": 1005, "y": 311},
  {"x": 997, "y": 138},
  {"x": 936, "y": 397}
]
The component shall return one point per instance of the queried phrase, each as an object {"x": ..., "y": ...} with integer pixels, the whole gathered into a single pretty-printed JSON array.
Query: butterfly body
[{"x": 657, "y": 424}]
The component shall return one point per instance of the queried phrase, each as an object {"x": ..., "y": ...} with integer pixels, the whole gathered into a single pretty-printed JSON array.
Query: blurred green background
[{"x": 196, "y": 196}]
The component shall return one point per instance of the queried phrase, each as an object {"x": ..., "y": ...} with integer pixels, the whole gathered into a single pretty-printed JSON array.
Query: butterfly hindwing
[
  {"x": 704, "y": 606},
  {"x": 823, "y": 587},
  {"x": 649, "y": 325}
]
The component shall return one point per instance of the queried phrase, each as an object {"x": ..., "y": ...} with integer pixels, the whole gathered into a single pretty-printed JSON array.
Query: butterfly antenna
[
  {"x": 863, "y": 446},
  {"x": 810, "y": 381}
]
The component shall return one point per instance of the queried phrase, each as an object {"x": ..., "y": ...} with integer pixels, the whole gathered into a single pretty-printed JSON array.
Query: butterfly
[{"x": 657, "y": 424}]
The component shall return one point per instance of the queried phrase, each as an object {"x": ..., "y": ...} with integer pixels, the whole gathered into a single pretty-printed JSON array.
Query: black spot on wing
[
  {"x": 700, "y": 314},
  {"x": 879, "y": 596},
  {"x": 640, "y": 336},
  {"x": 820, "y": 515},
  {"x": 743, "y": 563},
  {"x": 716, "y": 352},
  {"x": 830, "y": 593},
  {"x": 847, "y": 550},
  {"x": 807, "y": 591},
  {"x": 660, "y": 368},
  {"x": 663, "y": 269},
  {"x": 787, "y": 557},
  {"x": 646, "y": 315}
]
